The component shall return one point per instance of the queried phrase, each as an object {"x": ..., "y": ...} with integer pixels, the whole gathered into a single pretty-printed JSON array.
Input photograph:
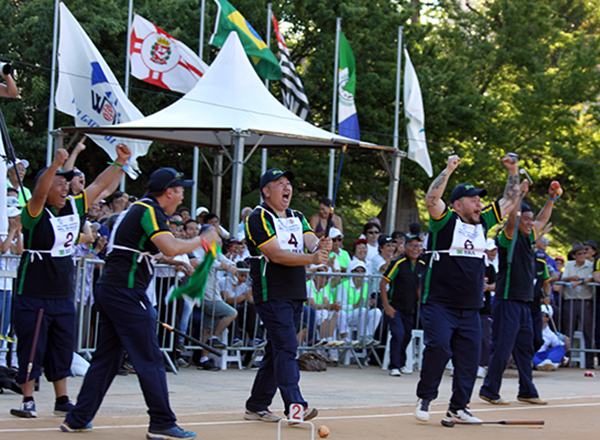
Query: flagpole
[
  {"x": 396, "y": 157},
  {"x": 195, "y": 172},
  {"x": 127, "y": 58},
  {"x": 263, "y": 161},
  {"x": 338, "y": 29},
  {"x": 49, "y": 147}
]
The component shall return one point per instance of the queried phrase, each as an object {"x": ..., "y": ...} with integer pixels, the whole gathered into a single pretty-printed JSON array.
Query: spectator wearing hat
[
  {"x": 555, "y": 346},
  {"x": 400, "y": 303},
  {"x": 127, "y": 318},
  {"x": 13, "y": 180},
  {"x": 200, "y": 213},
  {"x": 453, "y": 284},
  {"x": 577, "y": 298},
  {"x": 337, "y": 249},
  {"x": 357, "y": 304},
  {"x": 360, "y": 251},
  {"x": 381, "y": 261},
  {"x": 512, "y": 327},
  {"x": 52, "y": 222},
  {"x": 541, "y": 247},
  {"x": 590, "y": 249}
]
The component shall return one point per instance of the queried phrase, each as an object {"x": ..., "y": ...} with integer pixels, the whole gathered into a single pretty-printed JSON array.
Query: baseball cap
[
  {"x": 490, "y": 244},
  {"x": 410, "y": 238},
  {"x": 548, "y": 310},
  {"x": 356, "y": 263},
  {"x": 274, "y": 174},
  {"x": 335, "y": 232},
  {"x": 466, "y": 190},
  {"x": 361, "y": 240},
  {"x": 25, "y": 163},
  {"x": 69, "y": 174},
  {"x": 384, "y": 239},
  {"x": 167, "y": 177},
  {"x": 559, "y": 258},
  {"x": 200, "y": 210},
  {"x": 13, "y": 211}
]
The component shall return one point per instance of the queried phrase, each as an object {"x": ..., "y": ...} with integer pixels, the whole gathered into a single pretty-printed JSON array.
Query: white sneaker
[
  {"x": 395, "y": 372},
  {"x": 546, "y": 365},
  {"x": 462, "y": 415},
  {"x": 481, "y": 372},
  {"x": 422, "y": 410},
  {"x": 333, "y": 356},
  {"x": 405, "y": 370}
]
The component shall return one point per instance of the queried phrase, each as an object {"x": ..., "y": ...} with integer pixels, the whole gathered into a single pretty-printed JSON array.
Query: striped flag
[{"x": 294, "y": 97}]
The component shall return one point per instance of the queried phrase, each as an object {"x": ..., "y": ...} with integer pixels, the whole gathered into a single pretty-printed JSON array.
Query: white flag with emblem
[
  {"x": 88, "y": 90},
  {"x": 414, "y": 112},
  {"x": 158, "y": 58}
]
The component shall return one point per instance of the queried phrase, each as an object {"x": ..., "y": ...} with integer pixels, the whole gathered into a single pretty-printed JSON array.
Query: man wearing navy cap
[
  {"x": 52, "y": 222},
  {"x": 512, "y": 325},
  {"x": 452, "y": 286},
  {"x": 127, "y": 319},
  {"x": 277, "y": 237}
]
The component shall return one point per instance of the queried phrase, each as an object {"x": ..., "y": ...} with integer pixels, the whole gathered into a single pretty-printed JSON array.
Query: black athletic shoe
[{"x": 208, "y": 365}]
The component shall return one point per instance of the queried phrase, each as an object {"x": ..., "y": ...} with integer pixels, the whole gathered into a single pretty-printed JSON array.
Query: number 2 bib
[{"x": 66, "y": 232}]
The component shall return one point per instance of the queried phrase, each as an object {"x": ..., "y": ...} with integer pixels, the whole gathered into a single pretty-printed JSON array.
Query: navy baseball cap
[
  {"x": 410, "y": 238},
  {"x": 384, "y": 239},
  {"x": 164, "y": 178},
  {"x": 466, "y": 190},
  {"x": 69, "y": 174},
  {"x": 274, "y": 174}
]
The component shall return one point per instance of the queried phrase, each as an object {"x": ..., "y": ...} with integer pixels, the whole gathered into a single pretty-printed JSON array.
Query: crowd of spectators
[{"x": 344, "y": 310}]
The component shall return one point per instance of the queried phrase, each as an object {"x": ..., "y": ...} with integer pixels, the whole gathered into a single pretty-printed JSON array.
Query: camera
[{"x": 5, "y": 68}]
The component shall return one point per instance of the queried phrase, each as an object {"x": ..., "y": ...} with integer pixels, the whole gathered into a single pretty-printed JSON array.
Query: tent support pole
[
  {"x": 217, "y": 181},
  {"x": 392, "y": 205},
  {"x": 236, "y": 182},
  {"x": 196, "y": 182}
]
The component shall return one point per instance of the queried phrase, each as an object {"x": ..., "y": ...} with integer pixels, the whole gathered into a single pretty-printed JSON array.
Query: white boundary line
[{"x": 366, "y": 416}]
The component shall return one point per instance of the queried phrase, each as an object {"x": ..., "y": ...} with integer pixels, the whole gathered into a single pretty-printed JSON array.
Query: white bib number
[
  {"x": 468, "y": 240},
  {"x": 66, "y": 232},
  {"x": 289, "y": 233}
]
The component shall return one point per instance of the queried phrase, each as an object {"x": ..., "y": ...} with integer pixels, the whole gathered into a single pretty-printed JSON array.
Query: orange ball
[
  {"x": 323, "y": 431},
  {"x": 559, "y": 192}
]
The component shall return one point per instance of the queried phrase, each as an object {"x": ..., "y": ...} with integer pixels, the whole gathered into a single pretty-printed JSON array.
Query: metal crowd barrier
[{"x": 578, "y": 319}]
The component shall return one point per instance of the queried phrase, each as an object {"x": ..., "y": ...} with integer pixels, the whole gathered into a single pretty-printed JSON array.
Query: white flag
[
  {"x": 88, "y": 90},
  {"x": 413, "y": 110},
  {"x": 158, "y": 58}
]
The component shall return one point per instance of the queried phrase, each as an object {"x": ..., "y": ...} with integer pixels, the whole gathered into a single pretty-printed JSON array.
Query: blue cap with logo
[
  {"x": 466, "y": 190},
  {"x": 164, "y": 178},
  {"x": 274, "y": 174}
]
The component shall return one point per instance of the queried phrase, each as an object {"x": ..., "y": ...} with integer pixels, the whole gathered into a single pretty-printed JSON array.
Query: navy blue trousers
[
  {"x": 538, "y": 326},
  {"x": 56, "y": 340},
  {"x": 450, "y": 334},
  {"x": 278, "y": 368},
  {"x": 127, "y": 322},
  {"x": 512, "y": 332},
  {"x": 401, "y": 328}
]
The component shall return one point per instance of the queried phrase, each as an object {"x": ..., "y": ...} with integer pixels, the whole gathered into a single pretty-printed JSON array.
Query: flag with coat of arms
[
  {"x": 229, "y": 19},
  {"x": 347, "y": 116},
  {"x": 158, "y": 58},
  {"x": 88, "y": 90}
]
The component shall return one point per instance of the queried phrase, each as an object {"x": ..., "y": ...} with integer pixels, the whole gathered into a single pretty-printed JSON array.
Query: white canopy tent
[{"x": 229, "y": 106}]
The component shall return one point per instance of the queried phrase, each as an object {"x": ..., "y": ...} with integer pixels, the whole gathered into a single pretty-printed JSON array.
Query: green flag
[
  {"x": 229, "y": 19},
  {"x": 197, "y": 283}
]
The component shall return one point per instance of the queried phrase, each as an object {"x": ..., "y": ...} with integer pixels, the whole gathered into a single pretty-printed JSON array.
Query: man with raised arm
[
  {"x": 512, "y": 327},
  {"x": 127, "y": 320},
  {"x": 277, "y": 239},
  {"x": 52, "y": 222},
  {"x": 452, "y": 286}
]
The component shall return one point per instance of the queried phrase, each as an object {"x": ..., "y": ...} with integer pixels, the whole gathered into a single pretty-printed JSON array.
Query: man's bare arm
[
  {"x": 511, "y": 191},
  {"x": 433, "y": 199}
]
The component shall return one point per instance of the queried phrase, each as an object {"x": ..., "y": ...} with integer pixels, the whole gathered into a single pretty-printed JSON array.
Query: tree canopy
[{"x": 496, "y": 76}]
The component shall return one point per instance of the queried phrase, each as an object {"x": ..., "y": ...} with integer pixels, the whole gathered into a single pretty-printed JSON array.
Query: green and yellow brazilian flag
[{"x": 229, "y": 19}]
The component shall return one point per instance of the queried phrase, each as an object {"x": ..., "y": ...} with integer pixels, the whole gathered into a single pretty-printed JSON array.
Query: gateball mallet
[
  {"x": 36, "y": 334},
  {"x": 449, "y": 423},
  {"x": 524, "y": 171},
  {"x": 190, "y": 338}
]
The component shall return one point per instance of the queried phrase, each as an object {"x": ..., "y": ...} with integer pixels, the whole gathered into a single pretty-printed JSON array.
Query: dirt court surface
[{"x": 353, "y": 403}]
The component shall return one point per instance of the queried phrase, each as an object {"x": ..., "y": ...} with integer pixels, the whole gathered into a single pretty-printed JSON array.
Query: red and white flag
[{"x": 158, "y": 58}]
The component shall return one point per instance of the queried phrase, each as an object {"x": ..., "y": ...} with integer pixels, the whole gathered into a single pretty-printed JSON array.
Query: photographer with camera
[{"x": 8, "y": 90}]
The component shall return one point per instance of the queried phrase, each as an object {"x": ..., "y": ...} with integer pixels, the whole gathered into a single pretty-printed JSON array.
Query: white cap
[
  {"x": 12, "y": 201},
  {"x": 13, "y": 212},
  {"x": 200, "y": 210},
  {"x": 25, "y": 163},
  {"x": 355, "y": 263},
  {"x": 335, "y": 232},
  {"x": 490, "y": 245},
  {"x": 548, "y": 310}
]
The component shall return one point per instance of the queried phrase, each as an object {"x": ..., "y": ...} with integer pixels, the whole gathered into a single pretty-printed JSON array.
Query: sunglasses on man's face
[
  {"x": 372, "y": 232},
  {"x": 337, "y": 239}
]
